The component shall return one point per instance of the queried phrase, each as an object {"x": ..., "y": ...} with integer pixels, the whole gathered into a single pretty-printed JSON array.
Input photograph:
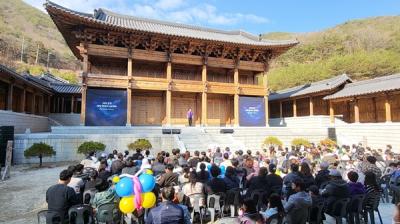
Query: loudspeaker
[
  {"x": 6, "y": 134},
  {"x": 176, "y": 131},
  {"x": 166, "y": 131},
  {"x": 226, "y": 131}
]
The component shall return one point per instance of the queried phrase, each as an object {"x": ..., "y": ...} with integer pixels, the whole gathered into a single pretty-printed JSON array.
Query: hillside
[
  {"x": 364, "y": 48},
  {"x": 22, "y": 24}
]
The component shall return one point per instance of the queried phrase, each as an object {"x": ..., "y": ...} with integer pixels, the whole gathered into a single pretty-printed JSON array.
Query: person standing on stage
[{"x": 189, "y": 116}]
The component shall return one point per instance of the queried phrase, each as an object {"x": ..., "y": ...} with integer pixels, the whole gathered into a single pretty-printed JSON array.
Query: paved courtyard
[{"x": 22, "y": 196}]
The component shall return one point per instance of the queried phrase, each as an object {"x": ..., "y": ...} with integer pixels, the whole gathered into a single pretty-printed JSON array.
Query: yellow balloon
[
  {"x": 148, "y": 200},
  {"x": 127, "y": 204},
  {"x": 115, "y": 179},
  {"x": 149, "y": 172}
]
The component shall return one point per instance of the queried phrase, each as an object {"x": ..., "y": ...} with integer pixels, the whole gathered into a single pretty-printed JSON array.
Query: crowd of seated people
[{"x": 275, "y": 183}]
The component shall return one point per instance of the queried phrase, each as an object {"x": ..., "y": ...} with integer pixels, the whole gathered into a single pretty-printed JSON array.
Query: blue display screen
[
  {"x": 251, "y": 111},
  {"x": 105, "y": 107}
]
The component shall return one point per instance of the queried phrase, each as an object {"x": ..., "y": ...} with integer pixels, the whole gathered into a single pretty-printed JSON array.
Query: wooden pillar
[
  {"x": 58, "y": 105},
  {"x": 356, "y": 112},
  {"x": 311, "y": 106},
  {"x": 236, "y": 97},
  {"x": 33, "y": 103},
  {"x": 169, "y": 94},
  {"x": 280, "y": 109},
  {"x": 62, "y": 105},
  {"x": 10, "y": 97},
  {"x": 294, "y": 108},
  {"x": 388, "y": 111},
  {"x": 48, "y": 104},
  {"x": 72, "y": 104},
  {"x": 83, "y": 104},
  {"x": 85, "y": 72},
  {"x": 331, "y": 112},
  {"x": 204, "y": 96},
  {"x": 375, "y": 110},
  {"x": 23, "y": 100},
  {"x": 265, "y": 84},
  {"x": 129, "y": 94}
]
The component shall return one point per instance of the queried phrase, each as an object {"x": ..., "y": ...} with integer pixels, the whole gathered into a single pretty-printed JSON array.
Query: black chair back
[
  {"x": 316, "y": 210},
  {"x": 233, "y": 197},
  {"x": 81, "y": 214},
  {"x": 107, "y": 213},
  {"x": 356, "y": 203},
  {"x": 88, "y": 195},
  {"x": 371, "y": 201},
  {"x": 297, "y": 216},
  {"x": 51, "y": 217},
  {"x": 339, "y": 207}
]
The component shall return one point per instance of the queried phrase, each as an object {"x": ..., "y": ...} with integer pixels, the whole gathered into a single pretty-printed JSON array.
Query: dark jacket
[
  {"x": 60, "y": 198},
  {"x": 335, "y": 189},
  {"x": 231, "y": 182},
  {"x": 321, "y": 178},
  {"x": 308, "y": 180},
  {"x": 216, "y": 185},
  {"x": 257, "y": 183},
  {"x": 117, "y": 166},
  {"x": 166, "y": 213},
  {"x": 158, "y": 168},
  {"x": 274, "y": 180},
  {"x": 168, "y": 179},
  {"x": 356, "y": 188}
]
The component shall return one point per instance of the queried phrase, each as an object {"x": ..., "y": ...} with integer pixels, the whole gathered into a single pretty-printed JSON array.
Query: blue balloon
[
  {"x": 124, "y": 187},
  {"x": 147, "y": 181}
]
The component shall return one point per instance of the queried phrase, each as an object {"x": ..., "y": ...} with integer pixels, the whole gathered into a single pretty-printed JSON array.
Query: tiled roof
[
  {"x": 66, "y": 88},
  {"x": 131, "y": 23},
  {"x": 377, "y": 85},
  {"x": 315, "y": 87},
  {"x": 54, "y": 86}
]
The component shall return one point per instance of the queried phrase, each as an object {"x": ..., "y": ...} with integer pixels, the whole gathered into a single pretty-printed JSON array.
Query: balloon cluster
[{"x": 135, "y": 192}]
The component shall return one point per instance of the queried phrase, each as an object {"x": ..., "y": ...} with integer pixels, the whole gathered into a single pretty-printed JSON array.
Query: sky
[{"x": 254, "y": 16}]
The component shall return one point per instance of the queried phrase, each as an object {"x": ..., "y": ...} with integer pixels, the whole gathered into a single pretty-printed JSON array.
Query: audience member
[{"x": 167, "y": 212}]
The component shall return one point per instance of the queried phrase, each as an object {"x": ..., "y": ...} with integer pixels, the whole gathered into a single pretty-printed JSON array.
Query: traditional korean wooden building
[
  {"x": 39, "y": 95},
  {"x": 368, "y": 101},
  {"x": 166, "y": 68},
  {"x": 20, "y": 95},
  {"x": 306, "y": 100}
]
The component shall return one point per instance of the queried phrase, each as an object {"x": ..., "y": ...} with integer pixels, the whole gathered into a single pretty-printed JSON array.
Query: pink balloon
[{"x": 137, "y": 189}]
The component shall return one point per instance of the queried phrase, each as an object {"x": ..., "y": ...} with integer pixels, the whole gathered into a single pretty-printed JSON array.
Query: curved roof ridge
[
  {"x": 381, "y": 78},
  {"x": 115, "y": 14}
]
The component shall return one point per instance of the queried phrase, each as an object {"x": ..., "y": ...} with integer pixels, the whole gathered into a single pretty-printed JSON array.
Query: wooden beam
[
  {"x": 83, "y": 105},
  {"x": 388, "y": 111},
  {"x": 311, "y": 106},
  {"x": 331, "y": 113},
  {"x": 356, "y": 112},
  {"x": 294, "y": 108},
  {"x": 10, "y": 93},
  {"x": 280, "y": 109}
]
